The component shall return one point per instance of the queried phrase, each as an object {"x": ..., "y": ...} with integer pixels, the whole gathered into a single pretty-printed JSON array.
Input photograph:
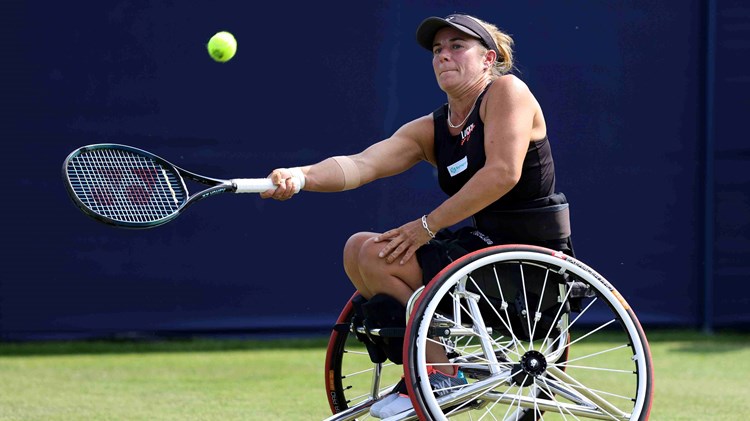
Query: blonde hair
[{"x": 504, "y": 63}]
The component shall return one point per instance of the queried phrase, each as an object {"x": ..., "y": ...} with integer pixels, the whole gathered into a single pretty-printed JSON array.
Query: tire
[
  {"x": 582, "y": 354},
  {"x": 353, "y": 382}
]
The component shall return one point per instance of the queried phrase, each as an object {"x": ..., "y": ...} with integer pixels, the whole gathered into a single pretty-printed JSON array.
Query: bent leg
[
  {"x": 372, "y": 275},
  {"x": 380, "y": 277},
  {"x": 351, "y": 261}
]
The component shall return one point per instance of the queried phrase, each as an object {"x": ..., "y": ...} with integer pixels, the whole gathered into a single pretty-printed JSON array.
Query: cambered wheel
[{"x": 538, "y": 335}]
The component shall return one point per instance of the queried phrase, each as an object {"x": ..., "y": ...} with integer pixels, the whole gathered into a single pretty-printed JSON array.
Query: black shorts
[{"x": 448, "y": 246}]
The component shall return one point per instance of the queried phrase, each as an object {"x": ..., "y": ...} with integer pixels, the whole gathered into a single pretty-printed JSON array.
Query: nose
[{"x": 443, "y": 55}]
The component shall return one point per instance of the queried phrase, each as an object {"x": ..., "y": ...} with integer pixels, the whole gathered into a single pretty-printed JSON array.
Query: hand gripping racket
[{"x": 129, "y": 187}]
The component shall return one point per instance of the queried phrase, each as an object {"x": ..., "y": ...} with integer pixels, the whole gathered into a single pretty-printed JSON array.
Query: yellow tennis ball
[{"x": 222, "y": 46}]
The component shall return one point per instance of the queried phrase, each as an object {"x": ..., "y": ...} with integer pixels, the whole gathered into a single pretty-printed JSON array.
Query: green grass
[
  {"x": 697, "y": 377},
  {"x": 194, "y": 380},
  {"x": 700, "y": 377}
]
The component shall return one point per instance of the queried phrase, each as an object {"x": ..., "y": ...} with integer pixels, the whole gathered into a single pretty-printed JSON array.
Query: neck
[
  {"x": 463, "y": 101},
  {"x": 460, "y": 109}
]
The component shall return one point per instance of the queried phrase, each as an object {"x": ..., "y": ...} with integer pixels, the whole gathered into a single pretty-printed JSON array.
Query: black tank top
[{"x": 460, "y": 157}]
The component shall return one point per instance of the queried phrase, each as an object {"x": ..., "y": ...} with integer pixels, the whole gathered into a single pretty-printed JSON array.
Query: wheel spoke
[{"x": 503, "y": 318}]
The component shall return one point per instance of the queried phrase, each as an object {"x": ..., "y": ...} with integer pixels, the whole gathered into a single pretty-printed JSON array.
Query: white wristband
[{"x": 299, "y": 175}]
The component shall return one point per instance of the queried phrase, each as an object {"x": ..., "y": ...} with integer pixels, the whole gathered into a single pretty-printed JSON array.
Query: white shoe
[
  {"x": 377, "y": 407},
  {"x": 396, "y": 406},
  {"x": 442, "y": 384}
]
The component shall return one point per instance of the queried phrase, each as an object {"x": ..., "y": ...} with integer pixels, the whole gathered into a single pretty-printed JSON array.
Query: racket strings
[{"x": 125, "y": 186}]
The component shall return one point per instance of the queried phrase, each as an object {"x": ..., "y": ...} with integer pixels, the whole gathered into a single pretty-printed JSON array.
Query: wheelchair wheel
[
  {"x": 537, "y": 334},
  {"x": 353, "y": 382}
]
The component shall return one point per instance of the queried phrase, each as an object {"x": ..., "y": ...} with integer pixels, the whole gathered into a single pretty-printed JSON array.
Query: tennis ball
[{"x": 222, "y": 46}]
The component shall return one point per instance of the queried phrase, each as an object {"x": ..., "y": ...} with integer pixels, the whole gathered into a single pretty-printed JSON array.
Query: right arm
[{"x": 411, "y": 143}]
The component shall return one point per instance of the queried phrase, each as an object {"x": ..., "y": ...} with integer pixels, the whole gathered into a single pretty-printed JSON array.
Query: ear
[{"x": 489, "y": 58}]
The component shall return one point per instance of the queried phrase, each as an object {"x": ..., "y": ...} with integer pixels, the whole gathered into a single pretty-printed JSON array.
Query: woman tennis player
[{"x": 490, "y": 145}]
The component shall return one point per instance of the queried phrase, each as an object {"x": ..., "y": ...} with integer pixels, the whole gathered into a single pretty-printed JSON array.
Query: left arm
[
  {"x": 508, "y": 118},
  {"x": 508, "y": 112}
]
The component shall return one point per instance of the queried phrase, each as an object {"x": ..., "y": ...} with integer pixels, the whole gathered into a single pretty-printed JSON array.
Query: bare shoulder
[
  {"x": 507, "y": 96},
  {"x": 509, "y": 87},
  {"x": 511, "y": 106}
]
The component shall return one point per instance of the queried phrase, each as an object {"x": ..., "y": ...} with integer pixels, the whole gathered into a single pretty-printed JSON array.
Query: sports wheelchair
[{"x": 538, "y": 334}]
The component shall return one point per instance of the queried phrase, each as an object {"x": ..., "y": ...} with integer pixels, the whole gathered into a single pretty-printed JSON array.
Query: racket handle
[{"x": 257, "y": 185}]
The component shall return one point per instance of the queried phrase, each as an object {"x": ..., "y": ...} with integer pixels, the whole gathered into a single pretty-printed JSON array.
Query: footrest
[
  {"x": 385, "y": 332},
  {"x": 341, "y": 327}
]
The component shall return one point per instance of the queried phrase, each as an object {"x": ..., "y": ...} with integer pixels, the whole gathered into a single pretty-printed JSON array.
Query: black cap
[{"x": 464, "y": 23}]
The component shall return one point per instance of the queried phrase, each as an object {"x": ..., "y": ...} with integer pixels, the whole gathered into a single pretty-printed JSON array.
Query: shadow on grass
[
  {"x": 165, "y": 344},
  {"x": 686, "y": 341},
  {"x": 690, "y": 341},
  {"x": 682, "y": 341}
]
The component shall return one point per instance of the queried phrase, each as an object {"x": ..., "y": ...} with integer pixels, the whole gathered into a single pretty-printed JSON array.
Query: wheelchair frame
[{"x": 511, "y": 318}]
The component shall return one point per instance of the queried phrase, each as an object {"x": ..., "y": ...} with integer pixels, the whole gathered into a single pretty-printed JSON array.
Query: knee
[
  {"x": 368, "y": 259},
  {"x": 354, "y": 247}
]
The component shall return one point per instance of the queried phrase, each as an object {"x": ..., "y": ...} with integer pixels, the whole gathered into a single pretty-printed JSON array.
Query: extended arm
[{"x": 385, "y": 158}]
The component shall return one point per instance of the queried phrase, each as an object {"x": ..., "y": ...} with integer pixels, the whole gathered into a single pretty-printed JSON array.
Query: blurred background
[{"x": 646, "y": 104}]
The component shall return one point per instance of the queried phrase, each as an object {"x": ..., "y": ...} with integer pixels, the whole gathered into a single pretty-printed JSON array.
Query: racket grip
[{"x": 257, "y": 185}]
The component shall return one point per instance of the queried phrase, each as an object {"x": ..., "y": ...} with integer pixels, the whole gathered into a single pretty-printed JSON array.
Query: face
[{"x": 458, "y": 59}]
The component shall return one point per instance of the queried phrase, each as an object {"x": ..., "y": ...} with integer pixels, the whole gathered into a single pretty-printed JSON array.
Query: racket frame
[{"x": 217, "y": 186}]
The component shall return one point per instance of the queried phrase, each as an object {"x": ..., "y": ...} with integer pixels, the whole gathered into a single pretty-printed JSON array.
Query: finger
[
  {"x": 388, "y": 247},
  {"x": 388, "y": 235},
  {"x": 281, "y": 190},
  {"x": 408, "y": 255},
  {"x": 268, "y": 193},
  {"x": 396, "y": 253},
  {"x": 289, "y": 192},
  {"x": 276, "y": 177}
]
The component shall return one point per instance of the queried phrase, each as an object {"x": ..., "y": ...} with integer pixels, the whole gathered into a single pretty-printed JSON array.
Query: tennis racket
[{"x": 128, "y": 187}]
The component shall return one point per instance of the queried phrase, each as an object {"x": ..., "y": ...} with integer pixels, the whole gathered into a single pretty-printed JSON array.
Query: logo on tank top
[
  {"x": 466, "y": 133},
  {"x": 458, "y": 167}
]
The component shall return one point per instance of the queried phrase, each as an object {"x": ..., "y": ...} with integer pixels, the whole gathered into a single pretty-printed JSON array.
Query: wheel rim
[
  {"x": 350, "y": 374},
  {"x": 604, "y": 380}
]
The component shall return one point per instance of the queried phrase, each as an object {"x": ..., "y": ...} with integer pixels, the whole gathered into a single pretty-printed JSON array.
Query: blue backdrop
[{"x": 644, "y": 155}]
